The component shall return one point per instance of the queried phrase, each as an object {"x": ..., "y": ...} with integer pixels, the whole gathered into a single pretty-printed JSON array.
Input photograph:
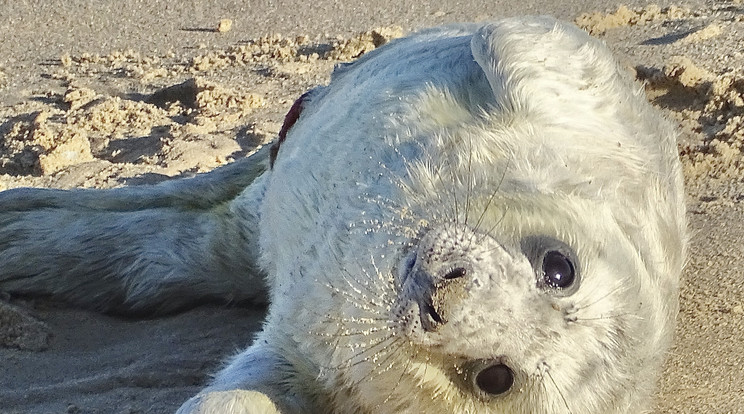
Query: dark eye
[
  {"x": 495, "y": 380},
  {"x": 556, "y": 265},
  {"x": 558, "y": 271}
]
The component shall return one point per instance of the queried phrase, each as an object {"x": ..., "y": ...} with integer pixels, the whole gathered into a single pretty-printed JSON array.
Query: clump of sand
[
  {"x": 129, "y": 114},
  {"x": 709, "y": 31},
  {"x": 47, "y": 141},
  {"x": 708, "y": 103},
  {"x": 225, "y": 25},
  {"x": 19, "y": 329},
  {"x": 123, "y": 63},
  {"x": 33, "y": 144},
  {"x": 348, "y": 49},
  {"x": 598, "y": 22},
  {"x": 280, "y": 49},
  {"x": 273, "y": 49},
  {"x": 206, "y": 106}
]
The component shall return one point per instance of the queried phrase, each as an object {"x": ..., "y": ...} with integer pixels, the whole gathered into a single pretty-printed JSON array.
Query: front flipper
[
  {"x": 259, "y": 380},
  {"x": 230, "y": 402}
]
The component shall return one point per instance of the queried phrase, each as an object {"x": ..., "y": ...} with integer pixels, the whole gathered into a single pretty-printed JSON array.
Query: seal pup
[{"x": 473, "y": 219}]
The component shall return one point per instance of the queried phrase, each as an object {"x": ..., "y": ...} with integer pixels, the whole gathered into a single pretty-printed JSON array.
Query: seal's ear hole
[{"x": 495, "y": 380}]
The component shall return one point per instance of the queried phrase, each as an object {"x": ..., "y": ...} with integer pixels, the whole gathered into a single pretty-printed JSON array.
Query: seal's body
[{"x": 473, "y": 219}]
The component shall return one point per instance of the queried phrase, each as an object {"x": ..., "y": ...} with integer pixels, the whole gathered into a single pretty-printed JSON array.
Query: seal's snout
[
  {"x": 434, "y": 292},
  {"x": 437, "y": 273}
]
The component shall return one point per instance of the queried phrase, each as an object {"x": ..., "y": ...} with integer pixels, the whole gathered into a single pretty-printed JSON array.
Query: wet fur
[{"x": 469, "y": 137}]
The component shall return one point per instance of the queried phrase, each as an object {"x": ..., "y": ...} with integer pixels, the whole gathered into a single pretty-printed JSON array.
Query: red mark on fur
[{"x": 289, "y": 120}]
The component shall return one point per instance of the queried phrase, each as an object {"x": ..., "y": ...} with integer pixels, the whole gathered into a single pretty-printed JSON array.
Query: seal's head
[{"x": 504, "y": 233}]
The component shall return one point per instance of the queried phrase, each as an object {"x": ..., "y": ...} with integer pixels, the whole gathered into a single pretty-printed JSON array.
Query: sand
[{"x": 101, "y": 95}]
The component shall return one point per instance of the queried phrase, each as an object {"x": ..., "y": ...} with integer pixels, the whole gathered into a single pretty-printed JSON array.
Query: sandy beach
[{"x": 105, "y": 94}]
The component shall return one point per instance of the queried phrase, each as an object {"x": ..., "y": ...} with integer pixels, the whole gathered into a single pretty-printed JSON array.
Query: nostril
[
  {"x": 436, "y": 317},
  {"x": 456, "y": 273}
]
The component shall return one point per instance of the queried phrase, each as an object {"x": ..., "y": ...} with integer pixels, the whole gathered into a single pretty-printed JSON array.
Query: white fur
[{"x": 473, "y": 137}]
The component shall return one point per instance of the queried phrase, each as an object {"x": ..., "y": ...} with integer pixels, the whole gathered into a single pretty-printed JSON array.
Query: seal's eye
[
  {"x": 556, "y": 265},
  {"x": 495, "y": 380},
  {"x": 558, "y": 271}
]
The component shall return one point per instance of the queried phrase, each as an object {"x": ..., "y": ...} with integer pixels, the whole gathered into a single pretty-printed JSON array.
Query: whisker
[
  {"x": 391, "y": 353},
  {"x": 560, "y": 392},
  {"x": 349, "y": 333},
  {"x": 362, "y": 321},
  {"x": 399, "y": 221},
  {"x": 347, "y": 363},
  {"x": 362, "y": 290},
  {"x": 438, "y": 174},
  {"x": 355, "y": 300},
  {"x": 454, "y": 189},
  {"x": 402, "y": 374},
  {"x": 358, "y": 286},
  {"x": 603, "y": 297},
  {"x": 490, "y": 230},
  {"x": 611, "y": 316},
  {"x": 469, "y": 185},
  {"x": 493, "y": 194},
  {"x": 389, "y": 294}
]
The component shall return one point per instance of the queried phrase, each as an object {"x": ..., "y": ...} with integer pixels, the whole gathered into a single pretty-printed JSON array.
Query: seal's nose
[
  {"x": 438, "y": 273},
  {"x": 433, "y": 305}
]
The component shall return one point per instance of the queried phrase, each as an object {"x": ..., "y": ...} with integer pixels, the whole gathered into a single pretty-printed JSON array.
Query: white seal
[{"x": 473, "y": 219}]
